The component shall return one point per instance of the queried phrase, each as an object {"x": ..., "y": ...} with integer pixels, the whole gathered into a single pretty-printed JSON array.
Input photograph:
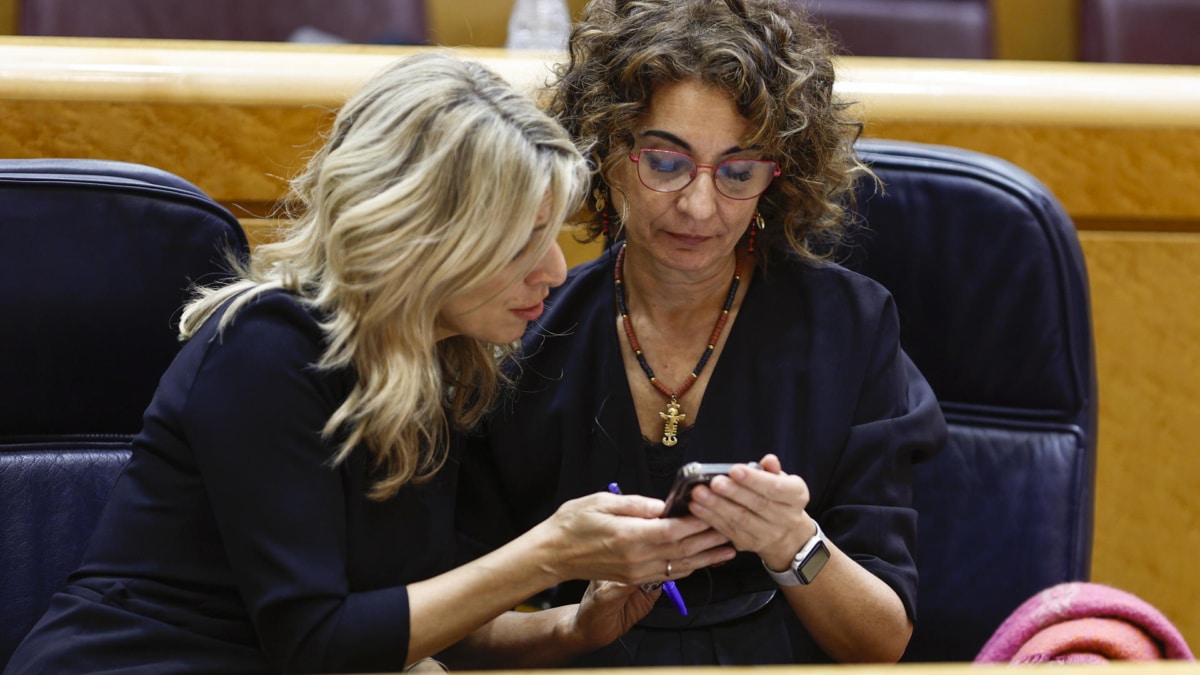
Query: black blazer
[
  {"x": 812, "y": 371},
  {"x": 229, "y": 544}
]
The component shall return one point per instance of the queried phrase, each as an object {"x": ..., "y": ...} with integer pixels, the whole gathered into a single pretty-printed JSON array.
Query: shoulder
[
  {"x": 265, "y": 359},
  {"x": 826, "y": 286},
  {"x": 266, "y": 321},
  {"x": 268, "y": 338}
]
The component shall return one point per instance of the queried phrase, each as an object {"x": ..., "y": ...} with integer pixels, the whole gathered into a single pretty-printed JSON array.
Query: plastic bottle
[{"x": 539, "y": 24}]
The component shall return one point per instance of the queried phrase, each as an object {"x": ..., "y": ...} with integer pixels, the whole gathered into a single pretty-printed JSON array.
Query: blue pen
[{"x": 668, "y": 586}]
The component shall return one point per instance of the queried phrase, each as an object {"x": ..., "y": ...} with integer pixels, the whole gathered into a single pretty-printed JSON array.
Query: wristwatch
[{"x": 807, "y": 563}]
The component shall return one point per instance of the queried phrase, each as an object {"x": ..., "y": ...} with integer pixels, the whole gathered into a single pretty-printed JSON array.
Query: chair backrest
[
  {"x": 1140, "y": 31},
  {"x": 96, "y": 260},
  {"x": 990, "y": 283},
  {"x": 388, "y": 21},
  {"x": 948, "y": 29}
]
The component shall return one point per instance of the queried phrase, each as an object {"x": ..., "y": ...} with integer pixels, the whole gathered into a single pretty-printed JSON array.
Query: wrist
[
  {"x": 805, "y": 564},
  {"x": 780, "y": 557},
  {"x": 542, "y": 555},
  {"x": 569, "y": 632}
]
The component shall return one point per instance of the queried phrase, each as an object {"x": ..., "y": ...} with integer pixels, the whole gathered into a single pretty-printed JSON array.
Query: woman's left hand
[
  {"x": 609, "y": 609},
  {"x": 760, "y": 511}
]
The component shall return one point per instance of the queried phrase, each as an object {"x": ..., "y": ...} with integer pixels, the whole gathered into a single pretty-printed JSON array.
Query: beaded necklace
[{"x": 673, "y": 415}]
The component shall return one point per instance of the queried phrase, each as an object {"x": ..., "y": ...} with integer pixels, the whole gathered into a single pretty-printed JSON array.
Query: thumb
[{"x": 771, "y": 463}]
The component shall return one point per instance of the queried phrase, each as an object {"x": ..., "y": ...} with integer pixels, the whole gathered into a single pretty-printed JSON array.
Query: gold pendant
[{"x": 671, "y": 419}]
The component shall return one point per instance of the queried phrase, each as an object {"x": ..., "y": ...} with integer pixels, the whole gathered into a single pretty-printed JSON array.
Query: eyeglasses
[{"x": 669, "y": 171}]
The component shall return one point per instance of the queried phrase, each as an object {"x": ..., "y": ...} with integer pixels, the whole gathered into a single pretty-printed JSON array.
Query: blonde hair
[{"x": 429, "y": 183}]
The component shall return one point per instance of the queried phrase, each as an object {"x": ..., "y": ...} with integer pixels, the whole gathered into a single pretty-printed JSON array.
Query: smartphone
[{"x": 689, "y": 476}]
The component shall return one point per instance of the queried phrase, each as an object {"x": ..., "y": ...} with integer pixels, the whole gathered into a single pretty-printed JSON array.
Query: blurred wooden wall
[
  {"x": 8, "y": 17},
  {"x": 1024, "y": 29},
  {"x": 1036, "y": 30},
  {"x": 1041, "y": 30},
  {"x": 474, "y": 23}
]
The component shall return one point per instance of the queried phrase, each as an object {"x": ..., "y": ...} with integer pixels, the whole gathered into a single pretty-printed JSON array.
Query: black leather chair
[
  {"x": 96, "y": 260},
  {"x": 992, "y": 292}
]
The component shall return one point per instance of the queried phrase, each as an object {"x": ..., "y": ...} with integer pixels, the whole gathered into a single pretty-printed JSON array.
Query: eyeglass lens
[{"x": 669, "y": 171}]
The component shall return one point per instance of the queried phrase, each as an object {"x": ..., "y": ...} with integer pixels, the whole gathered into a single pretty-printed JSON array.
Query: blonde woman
[{"x": 289, "y": 502}]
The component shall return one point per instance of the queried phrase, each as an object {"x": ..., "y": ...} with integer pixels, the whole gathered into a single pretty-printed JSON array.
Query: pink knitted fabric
[{"x": 1084, "y": 623}]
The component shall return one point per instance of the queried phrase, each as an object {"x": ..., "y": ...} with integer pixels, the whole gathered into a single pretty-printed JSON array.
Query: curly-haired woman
[{"x": 713, "y": 329}]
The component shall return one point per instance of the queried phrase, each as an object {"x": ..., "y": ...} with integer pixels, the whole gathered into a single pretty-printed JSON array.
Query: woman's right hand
[
  {"x": 608, "y": 610},
  {"x": 622, "y": 538}
]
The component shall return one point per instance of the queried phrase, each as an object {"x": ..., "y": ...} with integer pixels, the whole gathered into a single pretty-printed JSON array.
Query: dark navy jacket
[
  {"x": 812, "y": 370},
  {"x": 229, "y": 544}
]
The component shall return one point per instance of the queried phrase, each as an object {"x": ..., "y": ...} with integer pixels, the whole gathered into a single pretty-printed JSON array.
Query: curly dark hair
[{"x": 772, "y": 59}]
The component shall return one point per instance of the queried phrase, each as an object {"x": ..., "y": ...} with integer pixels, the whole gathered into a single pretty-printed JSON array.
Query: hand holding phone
[
  {"x": 689, "y": 476},
  {"x": 668, "y": 586}
]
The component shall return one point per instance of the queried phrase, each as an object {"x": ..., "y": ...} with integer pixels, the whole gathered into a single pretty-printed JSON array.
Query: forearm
[
  {"x": 448, "y": 607},
  {"x": 852, "y": 614},
  {"x": 542, "y": 639},
  {"x": 602, "y": 537}
]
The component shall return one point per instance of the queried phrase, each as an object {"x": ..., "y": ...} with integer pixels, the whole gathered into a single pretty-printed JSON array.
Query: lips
[
  {"x": 687, "y": 239},
  {"x": 530, "y": 313}
]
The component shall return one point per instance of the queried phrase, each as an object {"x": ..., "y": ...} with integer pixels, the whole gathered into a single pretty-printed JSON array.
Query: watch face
[{"x": 813, "y": 563}]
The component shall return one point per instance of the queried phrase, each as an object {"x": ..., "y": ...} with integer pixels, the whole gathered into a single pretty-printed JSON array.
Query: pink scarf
[{"x": 1084, "y": 623}]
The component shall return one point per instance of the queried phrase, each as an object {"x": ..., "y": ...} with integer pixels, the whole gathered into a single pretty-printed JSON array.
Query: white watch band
[{"x": 795, "y": 574}]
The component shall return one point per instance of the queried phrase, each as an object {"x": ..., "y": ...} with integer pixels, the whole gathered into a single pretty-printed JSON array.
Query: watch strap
[{"x": 795, "y": 574}]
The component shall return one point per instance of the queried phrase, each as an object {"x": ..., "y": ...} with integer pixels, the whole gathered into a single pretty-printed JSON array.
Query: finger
[
  {"x": 685, "y": 566},
  {"x": 680, "y": 528},
  {"x": 749, "y": 528},
  {"x": 740, "y": 524},
  {"x": 771, "y": 463},
  {"x": 702, "y": 549},
  {"x": 734, "y": 501},
  {"x": 761, "y": 490},
  {"x": 636, "y": 506},
  {"x": 613, "y": 591}
]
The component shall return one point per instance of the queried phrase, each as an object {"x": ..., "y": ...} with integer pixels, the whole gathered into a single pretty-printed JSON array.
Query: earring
[
  {"x": 601, "y": 196},
  {"x": 756, "y": 224}
]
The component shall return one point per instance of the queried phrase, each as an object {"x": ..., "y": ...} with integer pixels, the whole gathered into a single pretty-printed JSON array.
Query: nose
[
  {"x": 551, "y": 269},
  {"x": 699, "y": 198}
]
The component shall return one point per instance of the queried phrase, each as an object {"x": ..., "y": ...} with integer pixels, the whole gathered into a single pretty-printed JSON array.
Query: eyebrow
[{"x": 672, "y": 138}]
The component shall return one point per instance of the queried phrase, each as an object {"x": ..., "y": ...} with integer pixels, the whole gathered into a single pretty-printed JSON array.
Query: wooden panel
[
  {"x": 1097, "y": 172},
  {"x": 241, "y": 155},
  {"x": 1112, "y": 141},
  {"x": 474, "y": 23},
  {"x": 1038, "y": 30},
  {"x": 8, "y": 17},
  {"x": 463, "y": 22},
  {"x": 1144, "y": 302}
]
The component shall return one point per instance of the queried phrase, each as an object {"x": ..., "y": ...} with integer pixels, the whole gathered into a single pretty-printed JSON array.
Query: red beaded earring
[
  {"x": 756, "y": 224},
  {"x": 601, "y": 196}
]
